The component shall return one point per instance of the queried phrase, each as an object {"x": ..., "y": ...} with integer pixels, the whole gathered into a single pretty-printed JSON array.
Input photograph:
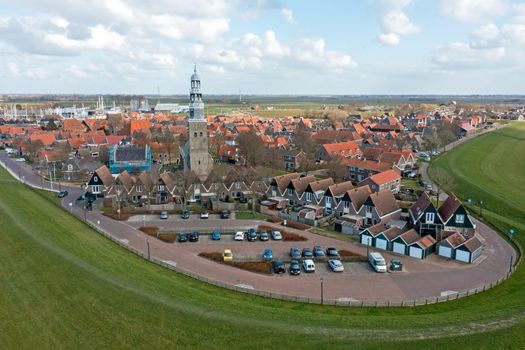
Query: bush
[
  {"x": 297, "y": 225},
  {"x": 150, "y": 230},
  {"x": 293, "y": 237},
  {"x": 167, "y": 237},
  {"x": 275, "y": 219},
  {"x": 253, "y": 266},
  {"x": 349, "y": 256}
]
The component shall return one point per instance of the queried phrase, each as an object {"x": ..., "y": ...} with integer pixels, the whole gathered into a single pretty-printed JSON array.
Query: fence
[{"x": 346, "y": 302}]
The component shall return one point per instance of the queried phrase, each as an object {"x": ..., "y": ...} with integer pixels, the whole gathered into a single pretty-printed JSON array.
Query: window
[
  {"x": 95, "y": 178},
  {"x": 290, "y": 191},
  {"x": 95, "y": 189},
  {"x": 346, "y": 204},
  {"x": 161, "y": 187},
  {"x": 194, "y": 134},
  {"x": 328, "y": 200},
  {"x": 309, "y": 196},
  {"x": 139, "y": 188},
  {"x": 460, "y": 219},
  {"x": 70, "y": 167},
  {"x": 429, "y": 217},
  {"x": 368, "y": 209},
  {"x": 201, "y": 134},
  {"x": 238, "y": 184}
]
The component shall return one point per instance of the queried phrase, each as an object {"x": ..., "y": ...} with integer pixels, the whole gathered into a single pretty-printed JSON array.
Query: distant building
[{"x": 134, "y": 159}]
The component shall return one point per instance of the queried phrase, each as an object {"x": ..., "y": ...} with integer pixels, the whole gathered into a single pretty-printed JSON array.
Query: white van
[
  {"x": 377, "y": 262},
  {"x": 308, "y": 265}
]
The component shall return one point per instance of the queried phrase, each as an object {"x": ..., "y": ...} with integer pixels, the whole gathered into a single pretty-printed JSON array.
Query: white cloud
[
  {"x": 390, "y": 39},
  {"x": 462, "y": 55},
  {"x": 473, "y": 10},
  {"x": 288, "y": 15},
  {"x": 394, "y": 21},
  {"x": 486, "y": 32}
]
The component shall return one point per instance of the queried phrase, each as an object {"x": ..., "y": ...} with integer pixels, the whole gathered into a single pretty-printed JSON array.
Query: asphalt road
[{"x": 430, "y": 278}]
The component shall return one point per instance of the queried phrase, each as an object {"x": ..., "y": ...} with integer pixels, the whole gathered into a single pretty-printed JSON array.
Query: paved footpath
[{"x": 430, "y": 278}]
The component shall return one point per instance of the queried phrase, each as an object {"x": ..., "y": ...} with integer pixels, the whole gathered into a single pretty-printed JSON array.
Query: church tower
[{"x": 200, "y": 161}]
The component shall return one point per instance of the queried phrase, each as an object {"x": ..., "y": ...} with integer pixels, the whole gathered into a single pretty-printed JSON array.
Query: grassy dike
[{"x": 65, "y": 286}]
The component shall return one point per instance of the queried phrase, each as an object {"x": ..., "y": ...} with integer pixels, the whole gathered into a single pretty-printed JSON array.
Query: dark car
[
  {"x": 318, "y": 251},
  {"x": 251, "y": 235},
  {"x": 62, "y": 194},
  {"x": 278, "y": 266},
  {"x": 295, "y": 268},
  {"x": 185, "y": 214},
  {"x": 396, "y": 265},
  {"x": 194, "y": 237},
  {"x": 307, "y": 253},
  {"x": 182, "y": 237},
  {"x": 225, "y": 214},
  {"x": 243, "y": 199},
  {"x": 295, "y": 253},
  {"x": 263, "y": 236},
  {"x": 332, "y": 252}
]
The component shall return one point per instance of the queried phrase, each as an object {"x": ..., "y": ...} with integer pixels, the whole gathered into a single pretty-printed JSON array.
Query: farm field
[{"x": 64, "y": 286}]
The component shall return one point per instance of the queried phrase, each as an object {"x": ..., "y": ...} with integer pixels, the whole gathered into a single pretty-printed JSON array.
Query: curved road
[{"x": 430, "y": 278}]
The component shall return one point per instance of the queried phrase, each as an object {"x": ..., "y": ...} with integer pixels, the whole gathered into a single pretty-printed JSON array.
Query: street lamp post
[
  {"x": 481, "y": 208},
  {"x": 71, "y": 207},
  {"x": 322, "y": 292},
  {"x": 512, "y": 232},
  {"x": 149, "y": 256},
  {"x": 368, "y": 246},
  {"x": 144, "y": 220},
  {"x": 85, "y": 213}
]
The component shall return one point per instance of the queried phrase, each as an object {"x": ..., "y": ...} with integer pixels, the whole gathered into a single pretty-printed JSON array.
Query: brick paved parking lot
[{"x": 430, "y": 278}]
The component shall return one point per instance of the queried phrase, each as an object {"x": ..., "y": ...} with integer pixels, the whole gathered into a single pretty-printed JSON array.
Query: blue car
[
  {"x": 216, "y": 235},
  {"x": 267, "y": 254}
]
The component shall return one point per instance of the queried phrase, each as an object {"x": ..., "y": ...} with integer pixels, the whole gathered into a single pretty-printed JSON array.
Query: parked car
[
  {"x": 227, "y": 255},
  {"x": 295, "y": 253},
  {"x": 318, "y": 251},
  {"x": 278, "y": 266},
  {"x": 308, "y": 265},
  {"x": 225, "y": 214},
  {"x": 377, "y": 261},
  {"x": 194, "y": 237},
  {"x": 336, "y": 265},
  {"x": 411, "y": 175},
  {"x": 62, "y": 194},
  {"x": 252, "y": 235},
  {"x": 307, "y": 253},
  {"x": 276, "y": 235},
  {"x": 205, "y": 214},
  {"x": 267, "y": 254},
  {"x": 216, "y": 236},
  {"x": 182, "y": 237},
  {"x": 263, "y": 236},
  {"x": 239, "y": 236},
  {"x": 164, "y": 215},
  {"x": 243, "y": 200},
  {"x": 185, "y": 214},
  {"x": 396, "y": 265},
  {"x": 295, "y": 268},
  {"x": 332, "y": 252}
]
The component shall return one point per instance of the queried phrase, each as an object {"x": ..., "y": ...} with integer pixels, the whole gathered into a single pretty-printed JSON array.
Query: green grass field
[{"x": 64, "y": 286}]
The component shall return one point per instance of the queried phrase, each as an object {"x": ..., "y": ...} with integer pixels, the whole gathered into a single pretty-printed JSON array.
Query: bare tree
[
  {"x": 251, "y": 148},
  {"x": 443, "y": 181},
  {"x": 304, "y": 143},
  {"x": 336, "y": 169}
]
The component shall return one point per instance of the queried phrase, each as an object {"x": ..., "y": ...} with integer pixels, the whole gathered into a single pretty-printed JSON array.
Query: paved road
[{"x": 422, "y": 279}]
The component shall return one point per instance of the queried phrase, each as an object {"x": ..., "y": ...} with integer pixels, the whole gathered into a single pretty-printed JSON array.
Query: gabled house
[
  {"x": 470, "y": 250},
  {"x": 421, "y": 248},
  {"x": 279, "y": 184},
  {"x": 352, "y": 201},
  {"x": 380, "y": 206},
  {"x": 424, "y": 217},
  {"x": 389, "y": 179},
  {"x": 359, "y": 169},
  {"x": 71, "y": 170},
  {"x": 134, "y": 159},
  {"x": 99, "y": 182},
  {"x": 447, "y": 247},
  {"x": 315, "y": 191},
  {"x": 333, "y": 196},
  {"x": 295, "y": 189},
  {"x": 401, "y": 243},
  {"x": 292, "y": 159},
  {"x": 455, "y": 216}
]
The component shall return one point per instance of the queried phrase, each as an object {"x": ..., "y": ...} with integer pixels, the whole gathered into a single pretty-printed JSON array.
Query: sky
[{"x": 263, "y": 46}]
